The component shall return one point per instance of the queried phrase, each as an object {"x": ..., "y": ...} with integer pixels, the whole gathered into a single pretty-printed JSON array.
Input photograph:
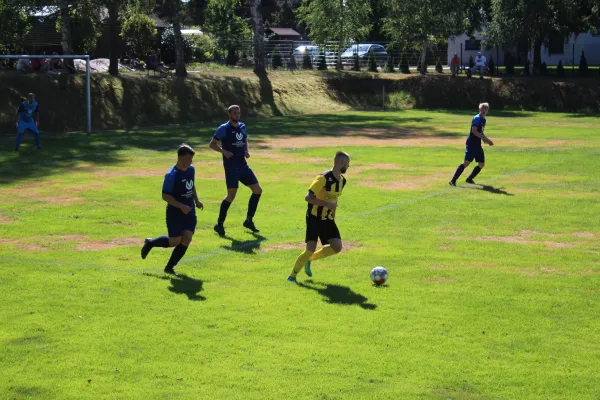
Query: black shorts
[
  {"x": 177, "y": 221},
  {"x": 239, "y": 173},
  {"x": 325, "y": 230},
  {"x": 475, "y": 153}
]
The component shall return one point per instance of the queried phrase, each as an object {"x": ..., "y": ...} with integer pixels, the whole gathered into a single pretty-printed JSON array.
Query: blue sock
[
  {"x": 19, "y": 139},
  {"x": 252, "y": 206},
  {"x": 161, "y": 241},
  {"x": 223, "y": 212}
]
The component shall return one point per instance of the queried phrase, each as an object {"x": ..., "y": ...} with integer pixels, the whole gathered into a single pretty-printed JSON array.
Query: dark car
[
  {"x": 364, "y": 51},
  {"x": 314, "y": 52}
]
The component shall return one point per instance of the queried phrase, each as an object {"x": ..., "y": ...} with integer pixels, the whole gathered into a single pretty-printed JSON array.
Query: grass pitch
[{"x": 493, "y": 290}]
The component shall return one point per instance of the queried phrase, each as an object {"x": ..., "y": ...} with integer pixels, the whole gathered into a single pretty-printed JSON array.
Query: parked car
[
  {"x": 364, "y": 51},
  {"x": 314, "y": 52}
]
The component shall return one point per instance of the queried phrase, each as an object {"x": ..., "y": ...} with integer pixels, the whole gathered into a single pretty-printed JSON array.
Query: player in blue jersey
[
  {"x": 28, "y": 118},
  {"x": 234, "y": 147},
  {"x": 179, "y": 191},
  {"x": 474, "y": 149}
]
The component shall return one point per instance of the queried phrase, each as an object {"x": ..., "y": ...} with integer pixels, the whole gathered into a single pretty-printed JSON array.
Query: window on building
[{"x": 472, "y": 44}]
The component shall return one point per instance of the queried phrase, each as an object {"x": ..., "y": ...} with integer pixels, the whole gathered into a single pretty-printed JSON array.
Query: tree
[
  {"x": 492, "y": 66},
  {"x": 389, "y": 65},
  {"x": 277, "y": 61},
  {"x": 404, "y": 68},
  {"x": 537, "y": 21},
  {"x": 223, "y": 18},
  {"x": 583, "y": 65},
  {"x": 560, "y": 69},
  {"x": 438, "y": 66},
  {"x": 355, "y": 62},
  {"x": 170, "y": 10},
  {"x": 259, "y": 35},
  {"x": 322, "y": 66},
  {"x": 418, "y": 23},
  {"x": 307, "y": 61},
  {"x": 168, "y": 49},
  {"x": 509, "y": 64},
  {"x": 65, "y": 30},
  {"x": 340, "y": 20},
  {"x": 14, "y": 26},
  {"x": 139, "y": 32},
  {"x": 372, "y": 62}
]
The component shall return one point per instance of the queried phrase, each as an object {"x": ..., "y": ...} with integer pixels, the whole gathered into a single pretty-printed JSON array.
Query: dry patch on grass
[
  {"x": 7, "y": 220},
  {"x": 525, "y": 237},
  {"x": 481, "y": 265},
  {"x": 108, "y": 244},
  {"x": 375, "y": 167},
  {"x": 141, "y": 172},
  {"x": 548, "y": 271},
  {"x": 60, "y": 200},
  {"x": 400, "y": 182},
  {"x": 23, "y": 246},
  {"x": 301, "y": 246}
]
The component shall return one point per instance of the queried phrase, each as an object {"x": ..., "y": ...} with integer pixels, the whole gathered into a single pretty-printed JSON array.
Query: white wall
[
  {"x": 454, "y": 46},
  {"x": 574, "y": 46}
]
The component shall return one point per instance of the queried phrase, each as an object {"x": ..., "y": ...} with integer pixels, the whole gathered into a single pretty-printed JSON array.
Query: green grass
[{"x": 493, "y": 290}]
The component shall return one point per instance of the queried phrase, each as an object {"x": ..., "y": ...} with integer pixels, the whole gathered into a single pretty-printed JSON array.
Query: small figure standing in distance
[
  {"x": 179, "y": 191},
  {"x": 322, "y": 198},
  {"x": 234, "y": 147},
  {"x": 474, "y": 148},
  {"x": 24, "y": 120}
]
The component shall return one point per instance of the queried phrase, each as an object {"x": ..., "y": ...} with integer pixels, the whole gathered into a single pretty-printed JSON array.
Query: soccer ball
[{"x": 379, "y": 275}]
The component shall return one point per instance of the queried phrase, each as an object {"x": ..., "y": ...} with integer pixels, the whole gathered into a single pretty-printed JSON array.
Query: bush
[
  {"x": 404, "y": 64},
  {"x": 139, "y": 32},
  {"x": 544, "y": 69},
  {"x": 167, "y": 47},
  {"x": 526, "y": 68},
  {"x": 389, "y": 65},
  {"x": 232, "y": 57},
  {"x": 400, "y": 101},
  {"x": 438, "y": 66},
  {"x": 492, "y": 66},
  {"x": 277, "y": 61},
  {"x": 583, "y": 66},
  {"x": 85, "y": 31},
  {"x": 322, "y": 66},
  {"x": 471, "y": 61},
  {"x": 356, "y": 64},
  {"x": 560, "y": 69},
  {"x": 205, "y": 48},
  {"x": 372, "y": 63},
  {"x": 307, "y": 61},
  {"x": 509, "y": 62}
]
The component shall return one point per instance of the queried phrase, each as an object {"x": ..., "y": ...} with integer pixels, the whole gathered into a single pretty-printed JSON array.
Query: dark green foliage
[
  {"x": 438, "y": 66},
  {"x": 404, "y": 64},
  {"x": 471, "y": 61},
  {"x": 232, "y": 57},
  {"x": 372, "y": 62},
  {"x": 322, "y": 65},
  {"x": 583, "y": 65},
  {"x": 544, "y": 69},
  {"x": 356, "y": 65},
  {"x": 167, "y": 45},
  {"x": 509, "y": 62},
  {"x": 526, "y": 68},
  {"x": 492, "y": 66},
  {"x": 560, "y": 69},
  {"x": 389, "y": 65},
  {"x": 277, "y": 61},
  {"x": 307, "y": 61}
]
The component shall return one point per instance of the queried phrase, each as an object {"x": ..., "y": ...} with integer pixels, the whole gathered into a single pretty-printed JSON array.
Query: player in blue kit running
[
  {"x": 234, "y": 147},
  {"x": 26, "y": 113},
  {"x": 179, "y": 191},
  {"x": 474, "y": 149}
]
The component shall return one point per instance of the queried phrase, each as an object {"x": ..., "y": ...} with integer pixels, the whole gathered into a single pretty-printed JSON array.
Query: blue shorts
[
  {"x": 475, "y": 153},
  {"x": 177, "y": 221},
  {"x": 23, "y": 125},
  {"x": 239, "y": 173}
]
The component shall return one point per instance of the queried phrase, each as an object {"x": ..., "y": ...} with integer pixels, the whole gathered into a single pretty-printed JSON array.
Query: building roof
[{"x": 284, "y": 32}]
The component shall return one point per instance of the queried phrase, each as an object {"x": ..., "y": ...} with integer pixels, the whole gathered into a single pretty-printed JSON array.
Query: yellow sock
[
  {"x": 302, "y": 258},
  {"x": 322, "y": 253}
]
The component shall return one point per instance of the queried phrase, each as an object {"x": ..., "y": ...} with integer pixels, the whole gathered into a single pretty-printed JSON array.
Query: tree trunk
[
  {"x": 423, "y": 60},
  {"x": 114, "y": 48},
  {"x": 259, "y": 34},
  {"x": 179, "y": 53},
  {"x": 65, "y": 31},
  {"x": 537, "y": 56}
]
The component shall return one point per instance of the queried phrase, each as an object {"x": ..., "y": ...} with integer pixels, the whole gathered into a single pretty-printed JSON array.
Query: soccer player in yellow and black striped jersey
[{"x": 322, "y": 199}]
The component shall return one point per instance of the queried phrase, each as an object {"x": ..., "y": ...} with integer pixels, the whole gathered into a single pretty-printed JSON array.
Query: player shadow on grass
[
  {"x": 336, "y": 294},
  {"x": 489, "y": 189},
  {"x": 245, "y": 246},
  {"x": 183, "y": 284}
]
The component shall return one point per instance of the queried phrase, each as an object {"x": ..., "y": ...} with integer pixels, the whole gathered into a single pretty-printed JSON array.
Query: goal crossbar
[{"x": 85, "y": 57}]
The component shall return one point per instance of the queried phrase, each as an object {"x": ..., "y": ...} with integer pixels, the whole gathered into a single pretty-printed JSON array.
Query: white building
[{"x": 558, "y": 49}]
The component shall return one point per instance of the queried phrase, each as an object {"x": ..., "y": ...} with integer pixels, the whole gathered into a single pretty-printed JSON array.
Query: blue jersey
[
  {"x": 27, "y": 110},
  {"x": 180, "y": 185},
  {"x": 479, "y": 122},
  {"x": 233, "y": 139}
]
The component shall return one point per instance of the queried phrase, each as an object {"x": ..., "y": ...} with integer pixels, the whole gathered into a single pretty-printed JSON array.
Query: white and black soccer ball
[{"x": 379, "y": 275}]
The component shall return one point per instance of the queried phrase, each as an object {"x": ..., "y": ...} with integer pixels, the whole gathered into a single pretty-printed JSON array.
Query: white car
[{"x": 314, "y": 52}]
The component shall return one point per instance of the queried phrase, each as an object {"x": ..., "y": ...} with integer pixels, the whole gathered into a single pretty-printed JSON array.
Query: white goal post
[{"x": 87, "y": 77}]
